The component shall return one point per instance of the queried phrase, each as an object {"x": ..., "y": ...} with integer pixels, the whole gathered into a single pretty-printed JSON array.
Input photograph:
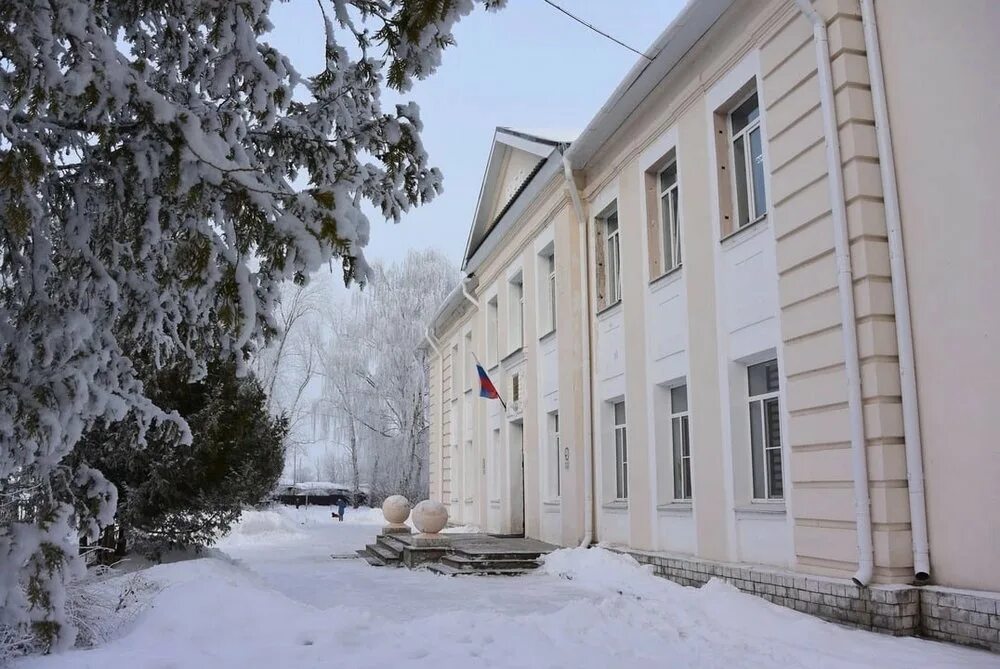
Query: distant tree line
[{"x": 354, "y": 382}]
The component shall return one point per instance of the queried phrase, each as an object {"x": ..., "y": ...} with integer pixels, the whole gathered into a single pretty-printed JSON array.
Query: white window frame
[
  {"x": 550, "y": 265},
  {"x": 744, "y": 135},
  {"x": 620, "y": 436},
  {"x": 555, "y": 478},
  {"x": 763, "y": 400},
  {"x": 613, "y": 253},
  {"x": 492, "y": 332},
  {"x": 469, "y": 361},
  {"x": 469, "y": 470},
  {"x": 496, "y": 439},
  {"x": 515, "y": 307},
  {"x": 669, "y": 219},
  {"x": 456, "y": 380},
  {"x": 682, "y": 418}
]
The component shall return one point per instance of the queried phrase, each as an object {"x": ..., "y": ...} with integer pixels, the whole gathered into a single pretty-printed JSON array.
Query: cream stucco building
[{"x": 746, "y": 323}]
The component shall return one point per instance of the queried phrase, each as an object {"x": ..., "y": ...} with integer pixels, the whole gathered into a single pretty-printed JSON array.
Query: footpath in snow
[{"x": 271, "y": 596}]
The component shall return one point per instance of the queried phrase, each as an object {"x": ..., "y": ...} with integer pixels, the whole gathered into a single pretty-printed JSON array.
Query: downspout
[
  {"x": 588, "y": 432},
  {"x": 475, "y": 303},
  {"x": 900, "y": 298},
  {"x": 430, "y": 340},
  {"x": 465, "y": 291},
  {"x": 845, "y": 290},
  {"x": 427, "y": 336}
]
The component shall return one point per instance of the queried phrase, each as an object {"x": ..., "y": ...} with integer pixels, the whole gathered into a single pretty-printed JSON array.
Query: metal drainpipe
[
  {"x": 588, "y": 413},
  {"x": 474, "y": 302},
  {"x": 900, "y": 298},
  {"x": 845, "y": 290},
  {"x": 430, "y": 340},
  {"x": 465, "y": 292}
]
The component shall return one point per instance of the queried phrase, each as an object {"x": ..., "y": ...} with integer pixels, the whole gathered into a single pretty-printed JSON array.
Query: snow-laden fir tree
[
  {"x": 178, "y": 496},
  {"x": 162, "y": 169}
]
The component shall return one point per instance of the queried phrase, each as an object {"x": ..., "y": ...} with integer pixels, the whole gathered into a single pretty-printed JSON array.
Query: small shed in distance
[{"x": 318, "y": 493}]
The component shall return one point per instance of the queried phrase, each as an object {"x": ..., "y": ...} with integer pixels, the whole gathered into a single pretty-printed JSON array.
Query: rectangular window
[
  {"x": 765, "y": 430},
  {"x": 747, "y": 159},
  {"x": 621, "y": 452},
  {"x": 470, "y": 362},
  {"x": 550, "y": 303},
  {"x": 495, "y": 466},
  {"x": 681, "y": 437},
  {"x": 613, "y": 253},
  {"x": 469, "y": 469},
  {"x": 456, "y": 369},
  {"x": 555, "y": 461},
  {"x": 670, "y": 217},
  {"x": 492, "y": 333},
  {"x": 515, "y": 305}
]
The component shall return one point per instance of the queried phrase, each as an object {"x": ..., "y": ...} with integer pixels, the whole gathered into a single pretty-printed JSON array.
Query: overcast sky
[{"x": 528, "y": 67}]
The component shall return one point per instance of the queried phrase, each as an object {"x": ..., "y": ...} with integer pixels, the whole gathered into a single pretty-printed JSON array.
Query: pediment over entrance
[{"x": 515, "y": 158}]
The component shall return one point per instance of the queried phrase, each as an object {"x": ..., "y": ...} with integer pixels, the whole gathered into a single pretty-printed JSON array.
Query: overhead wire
[{"x": 596, "y": 29}]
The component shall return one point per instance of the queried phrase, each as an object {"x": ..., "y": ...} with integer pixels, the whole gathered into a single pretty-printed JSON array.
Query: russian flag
[{"x": 486, "y": 387}]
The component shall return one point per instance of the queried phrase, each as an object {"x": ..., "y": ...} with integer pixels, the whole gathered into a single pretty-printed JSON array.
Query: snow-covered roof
[
  {"x": 668, "y": 49},
  {"x": 317, "y": 487}
]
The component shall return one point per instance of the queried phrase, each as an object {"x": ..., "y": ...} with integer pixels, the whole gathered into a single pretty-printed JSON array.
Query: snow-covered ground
[{"x": 272, "y": 596}]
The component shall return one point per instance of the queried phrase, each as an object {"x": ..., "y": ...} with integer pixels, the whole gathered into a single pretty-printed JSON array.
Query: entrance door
[{"x": 516, "y": 479}]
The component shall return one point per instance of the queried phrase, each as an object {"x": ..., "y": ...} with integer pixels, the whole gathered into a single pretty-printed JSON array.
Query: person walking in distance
[{"x": 341, "y": 507}]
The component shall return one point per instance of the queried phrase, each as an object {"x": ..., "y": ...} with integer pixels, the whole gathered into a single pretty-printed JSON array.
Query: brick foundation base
[{"x": 901, "y": 610}]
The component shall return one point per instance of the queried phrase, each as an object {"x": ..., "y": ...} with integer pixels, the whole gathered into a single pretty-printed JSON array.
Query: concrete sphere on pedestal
[
  {"x": 396, "y": 509},
  {"x": 430, "y": 517}
]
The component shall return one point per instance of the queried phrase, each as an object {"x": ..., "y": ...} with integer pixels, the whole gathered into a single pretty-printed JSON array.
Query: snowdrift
[{"x": 287, "y": 604}]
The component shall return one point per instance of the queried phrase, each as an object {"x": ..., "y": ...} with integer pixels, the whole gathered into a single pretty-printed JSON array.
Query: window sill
[
  {"x": 469, "y": 500},
  {"x": 667, "y": 277},
  {"x": 513, "y": 357},
  {"x": 552, "y": 505},
  {"x": 547, "y": 336},
  {"x": 756, "y": 225},
  {"x": 616, "y": 505},
  {"x": 494, "y": 504},
  {"x": 609, "y": 309},
  {"x": 675, "y": 509},
  {"x": 761, "y": 510}
]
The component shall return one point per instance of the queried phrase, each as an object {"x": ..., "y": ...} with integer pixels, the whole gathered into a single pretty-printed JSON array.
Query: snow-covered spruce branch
[{"x": 148, "y": 214}]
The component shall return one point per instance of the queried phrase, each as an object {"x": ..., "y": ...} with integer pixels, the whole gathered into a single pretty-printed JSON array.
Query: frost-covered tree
[
  {"x": 162, "y": 169},
  {"x": 289, "y": 365},
  {"x": 374, "y": 377}
]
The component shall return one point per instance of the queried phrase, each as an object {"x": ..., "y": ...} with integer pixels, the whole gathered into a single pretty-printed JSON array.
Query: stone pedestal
[
  {"x": 424, "y": 540},
  {"x": 396, "y": 528}
]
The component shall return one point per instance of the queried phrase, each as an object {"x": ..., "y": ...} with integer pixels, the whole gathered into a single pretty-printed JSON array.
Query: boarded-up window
[
  {"x": 663, "y": 230},
  {"x": 607, "y": 247},
  {"x": 600, "y": 275},
  {"x": 739, "y": 157}
]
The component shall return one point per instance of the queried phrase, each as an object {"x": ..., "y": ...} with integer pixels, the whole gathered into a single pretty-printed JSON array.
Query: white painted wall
[{"x": 747, "y": 311}]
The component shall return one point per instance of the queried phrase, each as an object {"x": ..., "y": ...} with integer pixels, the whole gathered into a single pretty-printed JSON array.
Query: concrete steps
[
  {"x": 390, "y": 541},
  {"x": 492, "y": 564},
  {"x": 373, "y": 560},
  {"x": 386, "y": 551},
  {"x": 457, "y": 554},
  {"x": 449, "y": 570}
]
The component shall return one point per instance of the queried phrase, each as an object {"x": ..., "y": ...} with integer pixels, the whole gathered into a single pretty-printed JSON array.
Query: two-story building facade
[{"x": 743, "y": 322}]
